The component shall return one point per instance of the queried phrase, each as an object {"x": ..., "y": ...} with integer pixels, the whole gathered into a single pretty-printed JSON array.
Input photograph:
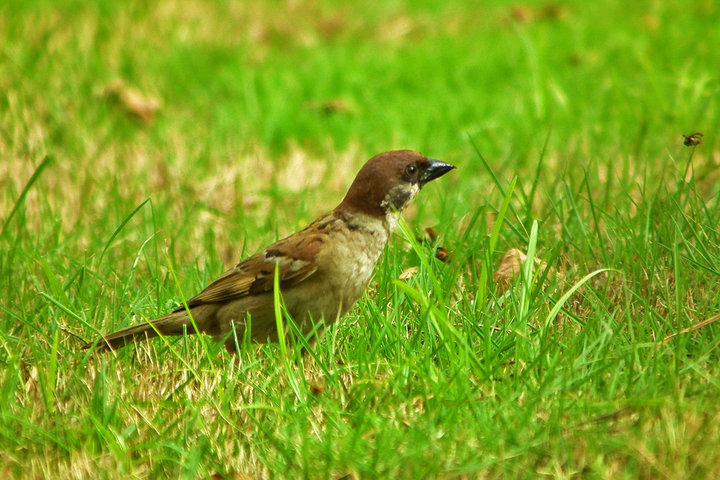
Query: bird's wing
[{"x": 295, "y": 258}]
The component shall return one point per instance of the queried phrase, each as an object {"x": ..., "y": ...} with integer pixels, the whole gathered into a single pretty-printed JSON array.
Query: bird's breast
[
  {"x": 350, "y": 252},
  {"x": 351, "y": 247},
  {"x": 356, "y": 252}
]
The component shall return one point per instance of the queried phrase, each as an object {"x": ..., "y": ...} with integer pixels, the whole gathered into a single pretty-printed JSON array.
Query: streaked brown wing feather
[
  {"x": 255, "y": 274},
  {"x": 231, "y": 284}
]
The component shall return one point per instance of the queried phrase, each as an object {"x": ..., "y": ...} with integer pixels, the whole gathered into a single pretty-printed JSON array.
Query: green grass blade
[
  {"x": 119, "y": 229},
  {"x": 18, "y": 203}
]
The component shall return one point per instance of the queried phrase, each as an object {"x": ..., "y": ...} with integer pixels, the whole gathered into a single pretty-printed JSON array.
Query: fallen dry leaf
[
  {"x": 31, "y": 384},
  {"x": 442, "y": 254},
  {"x": 329, "y": 107},
  {"x": 524, "y": 14},
  {"x": 135, "y": 103},
  {"x": 408, "y": 272},
  {"x": 510, "y": 265},
  {"x": 431, "y": 234},
  {"x": 521, "y": 13},
  {"x": 317, "y": 388}
]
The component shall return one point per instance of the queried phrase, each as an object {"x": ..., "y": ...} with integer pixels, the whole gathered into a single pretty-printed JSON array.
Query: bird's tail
[{"x": 176, "y": 323}]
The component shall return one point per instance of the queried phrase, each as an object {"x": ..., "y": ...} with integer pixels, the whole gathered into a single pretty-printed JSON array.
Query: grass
[{"x": 599, "y": 360}]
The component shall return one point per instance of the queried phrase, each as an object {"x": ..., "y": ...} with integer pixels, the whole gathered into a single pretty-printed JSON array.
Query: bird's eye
[{"x": 410, "y": 170}]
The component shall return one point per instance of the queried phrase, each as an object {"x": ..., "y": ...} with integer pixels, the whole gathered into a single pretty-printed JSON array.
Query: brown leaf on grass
[
  {"x": 510, "y": 265},
  {"x": 136, "y": 104},
  {"x": 331, "y": 107},
  {"x": 317, "y": 388},
  {"x": 330, "y": 27},
  {"x": 521, "y": 13},
  {"x": 398, "y": 27},
  {"x": 431, "y": 234},
  {"x": 408, "y": 272},
  {"x": 524, "y": 14},
  {"x": 442, "y": 254},
  {"x": 31, "y": 384}
]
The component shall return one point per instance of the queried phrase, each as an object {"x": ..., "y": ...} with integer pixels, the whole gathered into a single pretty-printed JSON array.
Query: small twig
[
  {"x": 697, "y": 326},
  {"x": 68, "y": 332}
]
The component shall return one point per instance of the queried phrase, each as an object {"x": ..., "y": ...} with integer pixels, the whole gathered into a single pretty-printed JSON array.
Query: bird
[{"x": 322, "y": 270}]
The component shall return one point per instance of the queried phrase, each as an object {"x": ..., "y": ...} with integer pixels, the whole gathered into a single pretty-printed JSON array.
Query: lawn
[{"x": 147, "y": 146}]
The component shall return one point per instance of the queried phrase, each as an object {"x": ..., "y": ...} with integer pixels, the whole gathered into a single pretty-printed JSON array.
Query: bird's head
[{"x": 389, "y": 181}]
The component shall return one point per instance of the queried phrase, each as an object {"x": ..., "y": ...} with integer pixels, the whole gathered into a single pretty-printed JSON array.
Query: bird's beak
[{"x": 434, "y": 170}]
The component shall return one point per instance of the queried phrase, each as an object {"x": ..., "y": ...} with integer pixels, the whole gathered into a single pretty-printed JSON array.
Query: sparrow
[{"x": 322, "y": 270}]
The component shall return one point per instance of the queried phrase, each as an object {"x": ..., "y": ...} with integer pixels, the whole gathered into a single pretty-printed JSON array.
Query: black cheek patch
[{"x": 399, "y": 196}]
